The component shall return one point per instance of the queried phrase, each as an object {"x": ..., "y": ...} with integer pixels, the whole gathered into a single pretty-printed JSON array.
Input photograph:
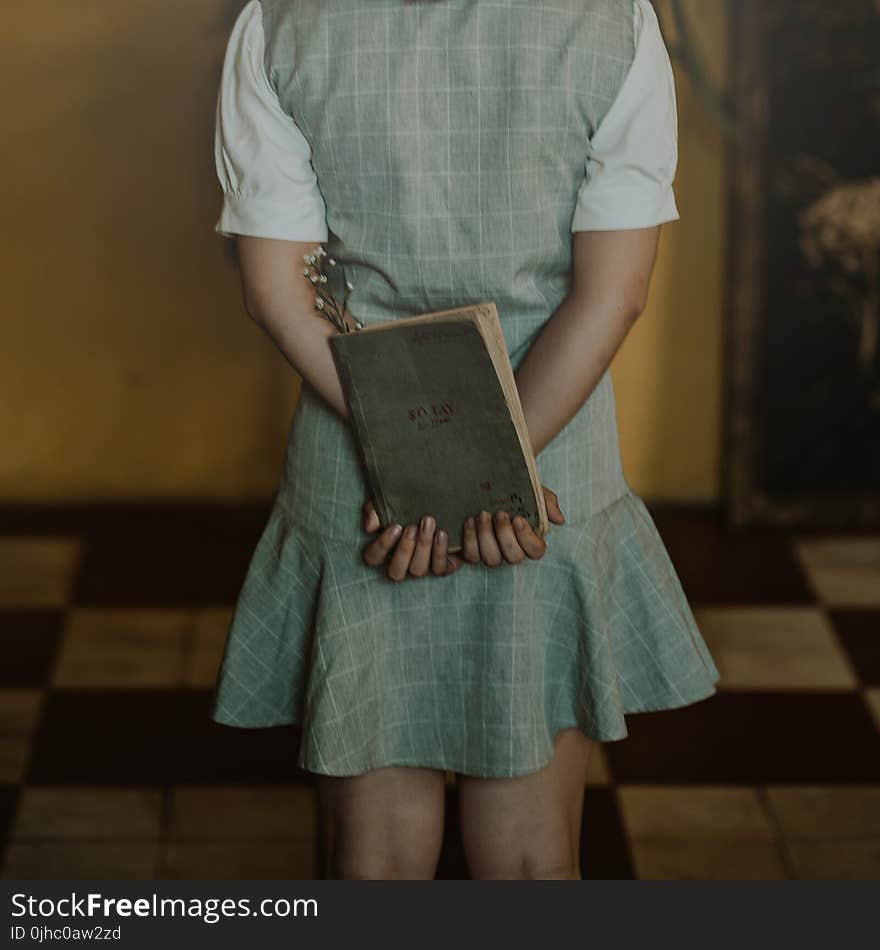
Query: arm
[
  {"x": 625, "y": 197},
  {"x": 281, "y": 300},
  {"x": 272, "y": 206},
  {"x": 611, "y": 273}
]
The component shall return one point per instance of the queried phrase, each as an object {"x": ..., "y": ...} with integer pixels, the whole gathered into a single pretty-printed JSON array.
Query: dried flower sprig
[{"x": 325, "y": 303}]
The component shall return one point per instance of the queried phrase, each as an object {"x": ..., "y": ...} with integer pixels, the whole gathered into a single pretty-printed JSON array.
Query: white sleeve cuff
[
  {"x": 633, "y": 154},
  {"x": 259, "y": 217},
  {"x": 621, "y": 210},
  {"x": 262, "y": 158}
]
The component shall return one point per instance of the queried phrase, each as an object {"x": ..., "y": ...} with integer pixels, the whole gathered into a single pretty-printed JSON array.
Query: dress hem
[{"x": 446, "y": 766}]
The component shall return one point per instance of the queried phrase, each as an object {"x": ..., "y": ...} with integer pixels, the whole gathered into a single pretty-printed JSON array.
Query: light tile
[
  {"x": 872, "y": 700},
  {"x": 277, "y": 813},
  {"x": 78, "y": 860},
  {"x": 88, "y": 812},
  {"x": 211, "y": 628},
  {"x": 775, "y": 648},
  {"x": 694, "y": 813},
  {"x": 238, "y": 860},
  {"x": 598, "y": 769},
  {"x": 37, "y": 572},
  {"x": 19, "y": 711},
  {"x": 826, "y": 811},
  {"x": 844, "y": 571},
  {"x": 123, "y": 647},
  {"x": 847, "y": 859},
  {"x": 706, "y": 860}
]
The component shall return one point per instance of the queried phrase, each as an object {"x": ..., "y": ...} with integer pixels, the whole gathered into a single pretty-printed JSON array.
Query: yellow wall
[
  {"x": 128, "y": 368},
  {"x": 668, "y": 373}
]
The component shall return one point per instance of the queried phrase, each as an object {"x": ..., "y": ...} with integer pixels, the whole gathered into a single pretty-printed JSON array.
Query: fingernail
[
  {"x": 440, "y": 537},
  {"x": 484, "y": 516},
  {"x": 519, "y": 521},
  {"x": 427, "y": 524},
  {"x": 410, "y": 531},
  {"x": 396, "y": 529}
]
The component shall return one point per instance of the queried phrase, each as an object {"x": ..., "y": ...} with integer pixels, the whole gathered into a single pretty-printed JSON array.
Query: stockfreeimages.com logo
[{"x": 210, "y": 910}]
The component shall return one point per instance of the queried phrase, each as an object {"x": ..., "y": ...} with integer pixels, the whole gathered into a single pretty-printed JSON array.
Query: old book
[{"x": 437, "y": 419}]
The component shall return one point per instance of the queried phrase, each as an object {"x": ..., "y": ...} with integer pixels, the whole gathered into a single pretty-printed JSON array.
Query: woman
[{"x": 450, "y": 153}]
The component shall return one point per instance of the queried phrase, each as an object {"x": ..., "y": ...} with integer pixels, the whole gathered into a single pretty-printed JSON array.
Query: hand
[
  {"x": 417, "y": 549},
  {"x": 510, "y": 541},
  {"x": 506, "y": 540}
]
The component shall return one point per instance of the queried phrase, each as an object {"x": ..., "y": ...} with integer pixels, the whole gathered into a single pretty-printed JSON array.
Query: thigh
[
  {"x": 384, "y": 824},
  {"x": 528, "y": 827}
]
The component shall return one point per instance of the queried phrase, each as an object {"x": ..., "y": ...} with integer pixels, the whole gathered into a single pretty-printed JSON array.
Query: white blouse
[{"x": 270, "y": 189}]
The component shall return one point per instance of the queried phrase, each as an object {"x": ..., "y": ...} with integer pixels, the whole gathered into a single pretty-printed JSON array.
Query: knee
[
  {"x": 354, "y": 860},
  {"x": 376, "y": 868},
  {"x": 531, "y": 867},
  {"x": 566, "y": 870}
]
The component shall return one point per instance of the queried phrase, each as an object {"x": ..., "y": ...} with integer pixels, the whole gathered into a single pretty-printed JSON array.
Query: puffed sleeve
[
  {"x": 634, "y": 152},
  {"x": 263, "y": 160}
]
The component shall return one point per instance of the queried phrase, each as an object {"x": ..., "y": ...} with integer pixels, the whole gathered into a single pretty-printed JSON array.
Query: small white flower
[
  {"x": 323, "y": 278},
  {"x": 349, "y": 285},
  {"x": 331, "y": 262},
  {"x": 306, "y": 272},
  {"x": 319, "y": 303},
  {"x": 314, "y": 278}
]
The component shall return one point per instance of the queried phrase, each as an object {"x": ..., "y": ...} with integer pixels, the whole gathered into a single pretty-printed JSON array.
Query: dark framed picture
[{"x": 802, "y": 337}]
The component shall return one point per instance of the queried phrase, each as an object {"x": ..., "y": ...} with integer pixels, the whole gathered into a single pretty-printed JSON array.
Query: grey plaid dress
[{"x": 449, "y": 141}]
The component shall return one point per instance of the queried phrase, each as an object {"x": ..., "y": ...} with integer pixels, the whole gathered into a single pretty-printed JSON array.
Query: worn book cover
[{"x": 436, "y": 415}]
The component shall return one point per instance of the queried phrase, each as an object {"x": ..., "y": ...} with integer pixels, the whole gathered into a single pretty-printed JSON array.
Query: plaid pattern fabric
[{"x": 449, "y": 141}]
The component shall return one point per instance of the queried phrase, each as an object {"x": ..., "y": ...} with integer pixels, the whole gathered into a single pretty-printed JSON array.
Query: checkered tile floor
[{"x": 111, "y": 625}]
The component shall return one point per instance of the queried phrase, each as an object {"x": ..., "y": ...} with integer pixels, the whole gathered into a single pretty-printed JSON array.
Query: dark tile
[
  {"x": 8, "y": 800},
  {"x": 452, "y": 865},
  {"x": 207, "y": 752},
  {"x": 169, "y": 556},
  {"x": 154, "y": 737},
  {"x": 29, "y": 641},
  {"x": 756, "y": 738},
  {"x": 604, "y": 851},
  {"x": 98, "y": 737},
  {"x": 108, "y": 518},
  {"x": 859, "y": 632},
  {"x": 721, "y": 564}
]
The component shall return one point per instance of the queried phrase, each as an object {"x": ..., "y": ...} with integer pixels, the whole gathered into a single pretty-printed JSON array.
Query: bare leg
[
  {"x": 386, "y": 824},
  {"x": 528, "y": 827}
]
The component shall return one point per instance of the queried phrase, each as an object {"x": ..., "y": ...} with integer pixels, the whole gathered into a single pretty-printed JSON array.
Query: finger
[
  {"x": 379, "y": 548},
  {"x": 398, "y": 563},
  {"x": 371, "y": 518},
  {"x": 455, "y": 561},
  {"x": 440, "y": 557},
  {"x": 420, "y": 563},
  {"x": 470, "y": 546},
  {"x": 490, "y": 553},
  {"x": 507, "y": 539},
  {"x": 554, "y": 512},
  {"x": 529, "y": 539}
]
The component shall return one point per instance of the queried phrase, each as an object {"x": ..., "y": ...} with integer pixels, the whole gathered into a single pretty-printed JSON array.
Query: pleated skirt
[{"x": 475, "y": 672}]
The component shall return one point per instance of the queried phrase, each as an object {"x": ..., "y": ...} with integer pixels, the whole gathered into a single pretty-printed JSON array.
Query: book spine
[{"x": 368, "y": 456}]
